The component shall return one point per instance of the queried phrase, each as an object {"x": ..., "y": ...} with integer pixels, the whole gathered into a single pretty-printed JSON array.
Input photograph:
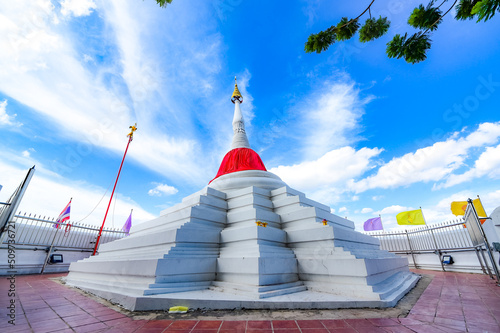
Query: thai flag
[{"x": 64, "y": 216}]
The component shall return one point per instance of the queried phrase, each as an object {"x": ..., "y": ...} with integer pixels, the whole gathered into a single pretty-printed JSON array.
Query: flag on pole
[
  {"x": 64, "y": 216},
  {"x": 411, "y": 217},
  {"x": 373, "y": 224},
  {"x": 458, "y": 207},
  {"x": 128, "y": 224}
]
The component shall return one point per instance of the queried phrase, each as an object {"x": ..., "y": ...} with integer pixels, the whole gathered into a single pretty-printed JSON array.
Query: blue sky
[{"x": 351, "y": 128}]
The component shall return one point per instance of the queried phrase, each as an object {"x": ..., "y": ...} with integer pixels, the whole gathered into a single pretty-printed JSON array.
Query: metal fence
[
  {"x": 446, "y": 237},
  {"x": 32, "y": 231}
]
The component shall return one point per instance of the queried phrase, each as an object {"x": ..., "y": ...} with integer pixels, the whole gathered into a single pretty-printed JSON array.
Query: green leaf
[
  {"x": 425, "y": 17},
  {"x": 464, "y": 9},
  {"x": 321, "y": 41},
  {"x": 346, "y": 29},
  {"x": 395, "y": 46},
  {"x": 412, "y": 49},
  {"x": 486, "y": 9},
  {"x": 373, "y": 29},
  {"x": 163, "y": 3}
]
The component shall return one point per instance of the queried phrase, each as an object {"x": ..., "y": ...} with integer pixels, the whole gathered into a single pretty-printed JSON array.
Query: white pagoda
[{"x": 246, "y": 240}]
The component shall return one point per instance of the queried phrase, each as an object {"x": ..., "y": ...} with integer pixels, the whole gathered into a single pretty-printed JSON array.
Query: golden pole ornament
[{"x": 133, "y": 128}]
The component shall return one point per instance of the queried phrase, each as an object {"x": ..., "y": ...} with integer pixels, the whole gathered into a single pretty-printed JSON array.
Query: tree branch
[
  {"x": 440, "y": 17},
  {"x": 354, "y": 19}
]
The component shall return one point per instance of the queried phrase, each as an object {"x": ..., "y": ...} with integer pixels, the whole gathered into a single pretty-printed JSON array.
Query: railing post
[
  {"x": 50, "y": 250},
  {"x": 438, "y": 252},
  {"x": 480, "y": 261},
  {"x": 411, "y": 249}
]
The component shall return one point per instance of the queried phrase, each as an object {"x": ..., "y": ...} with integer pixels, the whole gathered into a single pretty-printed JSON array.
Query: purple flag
[
  {"x": 126, "y": 227},
  {"x": 373, "y": 224}
]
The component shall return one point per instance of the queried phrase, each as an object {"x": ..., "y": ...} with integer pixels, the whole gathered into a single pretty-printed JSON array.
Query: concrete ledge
[{"x": 214, "y": 300}]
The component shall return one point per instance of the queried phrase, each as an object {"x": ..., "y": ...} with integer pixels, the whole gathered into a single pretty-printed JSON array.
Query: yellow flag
[
  {"x": 411, "y": 217},
  {"x": 479, "y": 208},
  {"x": 458, "y": 207}
]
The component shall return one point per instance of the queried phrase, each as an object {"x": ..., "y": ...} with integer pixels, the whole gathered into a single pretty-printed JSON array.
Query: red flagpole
[{"x": 130, "y": 135}]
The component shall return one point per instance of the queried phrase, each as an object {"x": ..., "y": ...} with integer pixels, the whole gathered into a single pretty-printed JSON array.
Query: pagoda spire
[{"x": 240, "y": 139}]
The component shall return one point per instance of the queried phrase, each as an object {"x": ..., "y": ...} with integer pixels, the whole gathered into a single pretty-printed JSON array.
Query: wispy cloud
[
  {"x": 488, "y": 164},
  {"x": 147, "y": 79},
  {"x": 327, "y": 176},
  {"x": 432, "y": 163},
  {"x": 332, "y": 118},
  {"x": 89, "y": 201},
  {"x": 77, "y": 7},
  {"x": 5, "y": 118}
]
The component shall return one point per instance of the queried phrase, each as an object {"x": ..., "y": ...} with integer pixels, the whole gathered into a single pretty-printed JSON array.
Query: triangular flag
[
  {"x": 128, "y": 224},
  {"x": 411, "y": 217}
]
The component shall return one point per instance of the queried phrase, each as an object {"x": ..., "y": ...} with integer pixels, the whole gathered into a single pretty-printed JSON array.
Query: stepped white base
[{"x": 208, "y": 252}]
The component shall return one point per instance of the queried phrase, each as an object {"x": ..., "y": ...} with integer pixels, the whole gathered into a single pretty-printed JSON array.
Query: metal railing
[
  {"x": 446, "y": 237},
  {"x": 32, "y": 232}
]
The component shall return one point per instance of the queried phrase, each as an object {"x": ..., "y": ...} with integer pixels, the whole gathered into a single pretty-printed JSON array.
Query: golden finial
[
  {"x": 133, "y": 128},
  {"x": 236, "y": 93}
]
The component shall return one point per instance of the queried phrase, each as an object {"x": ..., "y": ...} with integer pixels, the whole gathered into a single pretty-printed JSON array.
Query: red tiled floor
[
  {"x": 259, "y": 324},
  {"x": 95, "y": 327},
  {"x": 48, "y": 325},
  {"x": 334, "y": 324},
  {"x": 234, "y": 325},
  {"x": 158, "y": 324},
  {"x": 303, "y": 324},
  {"x": 208, "y": 324},
  {"x": 453, "y": 302},
  {"x": 283, "y": 324},
  {"x": 182, "y": 324}
]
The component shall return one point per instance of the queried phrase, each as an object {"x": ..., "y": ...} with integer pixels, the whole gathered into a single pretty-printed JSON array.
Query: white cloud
[
  {"x": 27, "y": 153},
  {"x": 77, "y": 7},
  {"x": 161, "y": 189},
  {"x": 47, "y": 194},
  {"x": 432, "y": 163},
  {"x": 6, "y": 119},
  {"x": 377, "y": 197},
  {"x": 38, "y": 55},
  {"x": 488, "y": 164},
  {"x": 329, "y": 173},
  {"x": 342, "y": 209},
  {"x": 333, "y": 119},
  {"x": 366, "y": 210},
  {"x": 394, "y": 209}
]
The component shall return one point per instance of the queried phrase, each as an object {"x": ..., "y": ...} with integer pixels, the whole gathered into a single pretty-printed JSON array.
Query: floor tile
[
  {"x": 335, "y": 323},
  {"x": 183, "y": 324},
  {"x": 208, "y": 324},
  {"x": 259, "y": 324},
  {"x": 303, "y": 324},
  {"x": 238, "y": 325},
  {"x": 280, "y": 324}
]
